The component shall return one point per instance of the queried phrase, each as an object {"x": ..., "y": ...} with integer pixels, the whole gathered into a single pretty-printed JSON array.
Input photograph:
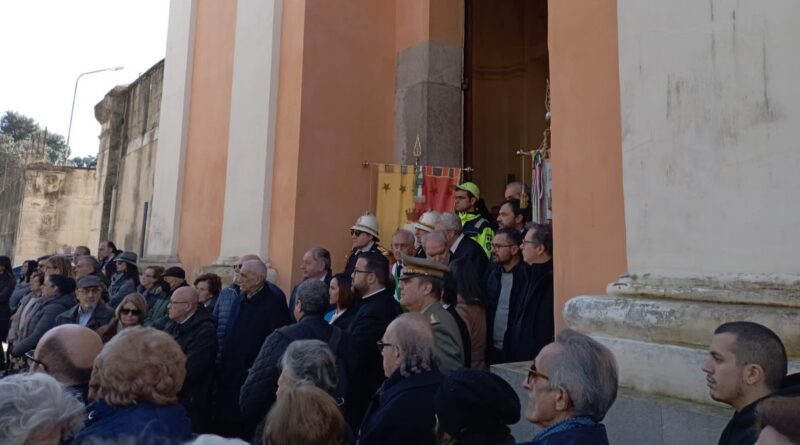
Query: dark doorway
[{"x": 506, "y": 70}]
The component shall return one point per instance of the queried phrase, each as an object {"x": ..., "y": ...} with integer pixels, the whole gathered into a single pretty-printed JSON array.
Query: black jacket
[
  {"x": 470, "y": 249},
  {"x": 100, "y": 317},
  {"x": 197, "y": 337},
  {"x": 741, "y": 429},
  {"x": 493, "y": 285},
  {"x": 353, "y": 257},
  {"x": 7, "y": 285},
  {"x": 402, "y": 412},
  {"x": 371, "y": 319},
  {"x": 258, "y": 392},
  {"x": 344, "y": 320},
  {"x": 531, "y": 324}
]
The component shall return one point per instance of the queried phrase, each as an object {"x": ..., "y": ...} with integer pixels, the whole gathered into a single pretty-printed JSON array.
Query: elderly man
[
  {"x": 467, "y": 200},
  {"x": 461, "y": 246},
  {"x": 90, "y": 311},
  {"x": 571, "y": 386},
  {"x": 251, "y": 321},
  {"x": 426, "y": 224},
  {"x": 258, "y": 392},
  {"x": 316, "y": 265},
  {"x": 377, "y": 308},
  {"x": 421, "y": 287},
  {"x": 403, "y": 244},
  {"x": 79, "y": 252},
  {"x": 435, "y": 247},
  {"x": 193, "y": 329},
  {"x": 506, "y": 284},
  {"x": 229, "y": 299},
  {"x": 364, "y": 235},
  {"x": 402, "y": 412},
  {"x": 67, "y": 353},
  {"x": 87, "y": 265},
  {"x": 746, "y": 363},
  {"x": 175, "y": 276}
]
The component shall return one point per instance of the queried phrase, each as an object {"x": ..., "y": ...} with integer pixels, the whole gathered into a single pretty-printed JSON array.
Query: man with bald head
[
  {"x": 67, "y": 353},
  {"x": 193, "y": 328},
  {"x": 258, "y": 313}
]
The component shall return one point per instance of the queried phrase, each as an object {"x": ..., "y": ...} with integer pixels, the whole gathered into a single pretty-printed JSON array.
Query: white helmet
[
  {"x": 427, "y": 222},
  {"x": 367, "y": 223}
]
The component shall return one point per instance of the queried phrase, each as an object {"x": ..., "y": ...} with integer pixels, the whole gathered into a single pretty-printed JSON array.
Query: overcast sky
[{"x": 46, "y": 44}]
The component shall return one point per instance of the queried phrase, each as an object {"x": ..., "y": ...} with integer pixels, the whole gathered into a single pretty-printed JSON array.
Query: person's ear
[
  {"x": 753, "y": 374},
  {"x": 562, "y": 399}
]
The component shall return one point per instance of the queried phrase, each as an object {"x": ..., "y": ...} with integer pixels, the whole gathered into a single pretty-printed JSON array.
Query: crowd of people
[{"x": 393, "y": 350}]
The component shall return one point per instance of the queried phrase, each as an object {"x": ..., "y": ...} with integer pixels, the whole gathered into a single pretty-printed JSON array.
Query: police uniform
[{"x": 445, "y": 330}]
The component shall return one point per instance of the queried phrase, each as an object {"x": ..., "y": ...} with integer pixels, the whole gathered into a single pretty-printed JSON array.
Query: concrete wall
[
  {"x": 709, "y": 120},
  {"x": 12, "y": 189},
  {"x": 56, "y": 210}
]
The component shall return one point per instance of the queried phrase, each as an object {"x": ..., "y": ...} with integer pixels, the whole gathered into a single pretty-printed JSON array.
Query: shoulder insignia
[{"x": 434, "y": 319}]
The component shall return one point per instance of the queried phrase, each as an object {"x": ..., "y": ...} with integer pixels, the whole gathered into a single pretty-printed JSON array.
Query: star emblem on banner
[
  {"x": 386, "y": 187},
  {"x": 402, "y": 189}
]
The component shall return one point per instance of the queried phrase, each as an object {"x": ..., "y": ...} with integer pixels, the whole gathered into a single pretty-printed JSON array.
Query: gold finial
[{"x": 417, "y": 148}]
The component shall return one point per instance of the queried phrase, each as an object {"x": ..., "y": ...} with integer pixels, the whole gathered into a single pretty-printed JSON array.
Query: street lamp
[{"x": 69, "y": 130}]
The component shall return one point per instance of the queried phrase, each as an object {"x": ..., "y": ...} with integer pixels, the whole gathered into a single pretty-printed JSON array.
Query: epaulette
[{"x": 434, "y": 320}]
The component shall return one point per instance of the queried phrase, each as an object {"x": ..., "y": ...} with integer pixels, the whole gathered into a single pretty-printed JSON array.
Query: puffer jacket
[{"x": 121, "y": 286}]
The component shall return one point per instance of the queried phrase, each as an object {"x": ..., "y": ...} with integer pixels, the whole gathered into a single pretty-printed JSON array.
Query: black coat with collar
[
  {"x": 470, "y": 249},
  {"x": 100, "y": 317},
  {"x": 493, "y": 283},
  {"x": 197, "y": 338},
  {"x": 402, "y": 412},
  {"x": 531, "y": 323},
  {"x": 371, "y": 319}
]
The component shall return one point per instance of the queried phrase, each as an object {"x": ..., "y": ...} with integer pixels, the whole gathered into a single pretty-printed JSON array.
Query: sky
[{"x": 46, "y": 44}]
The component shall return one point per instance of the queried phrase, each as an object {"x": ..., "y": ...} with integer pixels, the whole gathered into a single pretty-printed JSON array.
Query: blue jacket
[
  {"x": 593, "y": 434},
  {"x": 121, "y": 286},
  {"x": 402, "y": 411},
  {"x": 145, "y": 422}
]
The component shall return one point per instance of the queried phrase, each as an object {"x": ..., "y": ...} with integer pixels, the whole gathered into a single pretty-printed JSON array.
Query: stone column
[
  {"x": 163, "y": 230},
  {"x": 251, "y": 144},
  {"x": 430, "y": 66}
]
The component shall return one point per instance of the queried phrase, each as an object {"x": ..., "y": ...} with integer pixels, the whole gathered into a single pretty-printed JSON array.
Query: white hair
[
  {"x": 31, "y": 403},
  {"x": 258, "y": 267},
  {"x": 450, "y": 221}
]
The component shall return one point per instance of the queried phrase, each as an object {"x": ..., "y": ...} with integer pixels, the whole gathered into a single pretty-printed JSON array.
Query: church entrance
[{"x": 506, "y": 67}]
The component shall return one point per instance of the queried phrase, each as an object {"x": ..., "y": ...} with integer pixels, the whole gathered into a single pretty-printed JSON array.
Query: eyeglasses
[
  {"x": 32, "y": 360},
  {"x": 136, "y": 312},
  {"x": 382, "y": 345},
  {"x": 533, "y": 374},
  {"x": 498, "y": 246}
]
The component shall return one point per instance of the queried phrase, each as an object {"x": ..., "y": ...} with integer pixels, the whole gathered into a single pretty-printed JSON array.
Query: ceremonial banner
[
  {"x": 394, "y": 198},
  {"x": 438, "y": 184}
]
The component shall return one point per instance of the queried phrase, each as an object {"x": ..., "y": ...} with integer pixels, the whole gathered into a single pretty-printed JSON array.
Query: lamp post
[{"x": 75, "y": 94}]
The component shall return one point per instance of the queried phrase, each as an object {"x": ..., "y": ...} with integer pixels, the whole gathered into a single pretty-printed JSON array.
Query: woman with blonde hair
[
  {"x": 130, "y": 312},
  {"x": 305, "y": 415},
  {"x": 58, "y": 265},
  {"x": 134, "y": 391}
]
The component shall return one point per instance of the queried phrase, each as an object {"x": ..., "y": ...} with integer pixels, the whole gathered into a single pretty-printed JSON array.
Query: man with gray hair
[
  {"x": 259, "y": 390},
  {"x": 35, "y": 408},
  {"x": 403, "y": 243},
  {"x": 572, "y": 385},
  {"x": 435, "y": 246},
  {"x": 259, "y": 313},
  {"x": 316, "y": 265},
  {"x": 402, "y": 412},
  {"x": 461, "y": 246}
]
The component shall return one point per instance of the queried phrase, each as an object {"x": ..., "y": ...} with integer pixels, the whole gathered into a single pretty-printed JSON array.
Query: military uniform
[
  {"x": 447, "y": 337},
  {"x": 353, "y": 257},
  {"x": 446, "y": 334}
]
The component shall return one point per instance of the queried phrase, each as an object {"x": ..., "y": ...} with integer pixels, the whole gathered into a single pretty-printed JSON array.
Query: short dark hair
[
  {"x": 214, "y": 282},
  {"x": 84, "y": 249},
  {"x": 65, "y": 285},
  {"x": 313, "y": 297},
  {"x": 756, "y": 344},
  {"x": 377, "y": 264},
  {"x": 514, "y": 235},
  {"x": 515, "y": 207},
  {"x": 112, "y": 246},
  {"x": 543, "y": 234},
  {"x": 322, "y": 254},
  {"x": 158, "y": 271},
  {"x": 55, "y": 355}
]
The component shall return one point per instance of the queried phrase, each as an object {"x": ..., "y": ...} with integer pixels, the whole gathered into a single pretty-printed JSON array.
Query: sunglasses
[
  {"x": 354, "y": 232},
  {"x": 533, "y": 374},
  {"x": 136, "y": 312}
]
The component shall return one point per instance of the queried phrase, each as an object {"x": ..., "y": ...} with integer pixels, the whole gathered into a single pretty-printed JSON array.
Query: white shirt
[
  {"x": 456, "y": 243},
  {"x": 376, "y": 292}
]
